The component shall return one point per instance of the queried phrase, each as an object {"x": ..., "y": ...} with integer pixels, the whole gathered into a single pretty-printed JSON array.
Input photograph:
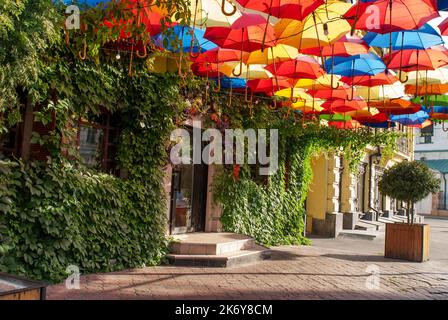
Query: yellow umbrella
[
  {"x": 322, "y": 28},
  {"x": 278, "y": 53},
  {"x": 366, "y": 112},
  {"x": 253, "y": 71},
  {"x": 380, "y": 93},
  {"x": 438, "y": 76},
  {"x": 208, "y": 13},
  {"x": 302, "y": 100},
  {"x": 323, "y": 82}
]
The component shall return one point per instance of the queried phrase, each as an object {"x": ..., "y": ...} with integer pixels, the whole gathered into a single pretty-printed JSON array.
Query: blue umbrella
[
  {"x": 234, "y": 83},
  {"x": 358, "y": 65},
  {"x": 380, "y": 125},
  {"x": 91, "y": 3},
  {"x": 179, "y": 38},
  {"x": 423, "y": 38},
  {"x": 411, "y": 119},
  {"x": 442, "y": 4}
]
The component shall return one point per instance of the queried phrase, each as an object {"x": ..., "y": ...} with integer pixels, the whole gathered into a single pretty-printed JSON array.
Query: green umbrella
[{"x": 438, "y": 100}]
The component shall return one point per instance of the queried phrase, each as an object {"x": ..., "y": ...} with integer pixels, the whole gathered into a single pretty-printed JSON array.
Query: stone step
[
  {"x": 364, "y": 225},
  {"x": 230, "y": 259},
  {"x": 378, "y": 225},
  {"x": 359, "y": 234},
  {"x": 210, "y": 244}
]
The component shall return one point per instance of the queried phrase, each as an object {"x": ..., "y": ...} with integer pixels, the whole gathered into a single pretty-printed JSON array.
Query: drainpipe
[{"x": 444, "y": 192}]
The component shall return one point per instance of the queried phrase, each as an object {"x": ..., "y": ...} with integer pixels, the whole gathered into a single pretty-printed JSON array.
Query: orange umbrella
[
  {"x": 430, "y": 89},
  {"x": 395, "y": 106},
  {"x": 346, "y": 46},
  {"x": 371, "y": 81},
  {"x": 302, "y": 67},
  {"x": 344, "y": 105},
  {"x": 415, "y": 60}
]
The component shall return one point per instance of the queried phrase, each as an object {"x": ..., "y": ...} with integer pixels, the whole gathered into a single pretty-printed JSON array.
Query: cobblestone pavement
[{"x": 292, "y": 273}]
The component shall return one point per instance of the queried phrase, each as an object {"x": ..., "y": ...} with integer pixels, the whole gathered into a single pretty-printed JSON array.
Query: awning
[{"x": 437, "y": 165}]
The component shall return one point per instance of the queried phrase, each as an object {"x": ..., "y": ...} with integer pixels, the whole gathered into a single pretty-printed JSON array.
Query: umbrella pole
[
  {"x": 223, "y": 9},
  {"x": 401, "y": 60},
  {"x": 193, "y": 38},
  {"x": 353, "y": 87},
  {"x": 318, "y": 42},
  {"x": 352, "y": 32},
  {"x": 267, "y": 26},
  {"x": 241, "y": 57}
]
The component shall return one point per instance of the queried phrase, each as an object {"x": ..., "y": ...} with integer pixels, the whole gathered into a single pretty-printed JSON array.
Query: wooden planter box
[
  {"x": 407, "y": 242},
  {"x": 16, "y": 288}
]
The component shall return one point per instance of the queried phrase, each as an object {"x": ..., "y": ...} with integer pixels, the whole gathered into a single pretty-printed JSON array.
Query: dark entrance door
[{"x": 189, "y": 196}]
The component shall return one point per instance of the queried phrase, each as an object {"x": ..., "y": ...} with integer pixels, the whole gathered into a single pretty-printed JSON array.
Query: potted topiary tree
[{"x": 409, "y": 182}]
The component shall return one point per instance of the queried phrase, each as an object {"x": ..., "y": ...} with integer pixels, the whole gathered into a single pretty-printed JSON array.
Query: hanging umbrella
[
  {"x": 432, "y": 100},
  {"x": 371, "y": 81},
  {"x": 331, "y": 116},
  {"x": 285, "y": 9},
  {"x": 268, "y": 86},
  {"x": 184, "y": 39},
  {"x": 253, "y": 71},
  {"x": 444, "y": 27},
  {"x": 303, "y": 67},
  {"x": 417, "y": 60},
  {"x": 438, "y": 113},
  {"x": 442, "y": 5},
  {"x": 359, "y": 65},
  {"x": 344, "y": 105},
  {"x": 329, "y": 93},
  {"x": 423, "y": 38},
  {"x": 394, "y": 15},
  {"x": 345, "y": 125},
  {"x": 344, "y": 47},
  {"x": 278, "y": 53},
  {"x": 206, "y": 69},
  {"x": 395, "y": 106},
  {"x": 437, "y": 76},
  {"x": 369, "y": 117},
  {"x": 218, "y": 55},
  {"x": 231, "y": 83},
  {"x": 430, "y": 89},
  {"x": 213, "y": 13},
  {"x": 324, "y": 82},
  {"x": 322, "y": 27},
  {"x": 379, "y": 125},
  {"x": 301, "y": 100},
  {"x": 245, "y": 34},
  {"x": 417, "y": 118}
]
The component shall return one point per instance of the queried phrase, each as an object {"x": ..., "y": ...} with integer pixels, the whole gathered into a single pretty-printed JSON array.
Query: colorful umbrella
[
  {"x": 268, "y": 86},
  {"x": 430, "y": 89},
  {"x": 344, "y": 105},
  {"x": 371, "y": 81},
  {"x": 303, "y": 67},
  {"x": 432, "y": 100},
  {"x": 345, "y": 125},
  {"x": 322, "y": 28},
  {"x": 184, "y": 39},
  {"x": 285, "y": 9},
  {"x": 379, "y": 125},
  {"x": 231, "y": 83},
  {"x": 278, "y": 53},
  {"x": 385, "y": 16},
  {"x": 428, "y": 76},
  {"x": 444, "y": 27},
  {"x": 423, "y": 38},
  {"x": 218, "y": 55},
  {"x": 213, "y": 13},
  {"x": 338, "y": 93},
  {"x": 415, "y": 60},
  {"x": 395, "y": 106},
  {"x": 375, "y": 117},
  {"x": 253, "y": 71},
  {"x": 359, "y": 65},
  {"x": 417, "y": 118},
  {"x": 344, "y": 47}
]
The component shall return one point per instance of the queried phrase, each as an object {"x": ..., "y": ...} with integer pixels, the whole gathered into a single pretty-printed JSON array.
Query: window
[
  {"x": 97, "y": 141},
  {"x": 426, "y": 134}
]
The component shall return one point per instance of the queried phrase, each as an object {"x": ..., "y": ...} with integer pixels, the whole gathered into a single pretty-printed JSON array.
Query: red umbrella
[
  {"x": 206, "y": 69},
  {"x": 285, "y": 9},
  {"x": 415, "y": 60},
  {"x": 371, "y": 81},
  {"x": 347, "y": 125},
  {"x": 380, "y": 117},
  {"x": 300, "y": 68},
  {"x": 219, "y": 55},
  {"x": 269, "y": 86},
  {"x": 394, "y": 15},
  {"x": 344, "y": 105},
  {"x": 339, "y": 93},
  {"x": 444, "y": 27},
  {"x": 245, "y": 34},
  {"x": 344, "y": 47}
]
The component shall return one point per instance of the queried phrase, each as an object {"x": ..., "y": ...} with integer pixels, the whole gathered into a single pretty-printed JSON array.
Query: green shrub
[{"x": 54, "y": 215}]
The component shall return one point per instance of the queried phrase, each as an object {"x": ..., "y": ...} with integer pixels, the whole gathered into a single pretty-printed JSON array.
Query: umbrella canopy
[
  {"x": 323, "y": 82},
  {"x": 430, "y": 89},
  {"x": 285, "y": 9},
  {"x": 423, "y": 38},
  {"x": 344, "y": 47},
  {"x": 245, "y": 34},
  {"x": 303, "y": 67},
  {"x": 379, "y": 125},
  {"x": 394, "y": 15},
  {"x": 369, "y": 116},
  {"x": 278, "y": 53},
  {"x": 185, "y": 39},
  {"x": 268, "y": 86},
  {"x": 395, "y": 106},
  {"x": 444, "y": 27},
  {"x": 218, "y": 55},
  {"x": 208, "y": 13},
  {"x": 334, "y": 117},
  {"x": 442, "y": 4},
  {"x": 345, "y": 125},
  {"x": 231, "y": 83},
  {"x": 253, "y": 71},
  {"x": 322, "y": 28},
  {"x": 371, "y": 81},
  {"x": 344, "y": 105},
  {"x": 428, "y": 76},
  {"x": 417, "y": 118},
  {"x": 415, "y": 60},
  {"x": 339, "y": 93},
  {"x": 433, "y": 100},
  {"x": 359, "y": 65}
]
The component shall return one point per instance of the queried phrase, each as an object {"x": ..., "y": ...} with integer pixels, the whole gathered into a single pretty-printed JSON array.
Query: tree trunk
[
  {"x": 412, "y": 213},
  {"x": 408, "y": 211}
]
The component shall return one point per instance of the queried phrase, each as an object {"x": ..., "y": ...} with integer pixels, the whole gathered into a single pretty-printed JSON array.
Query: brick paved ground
[{"x": 292, "y": 273}]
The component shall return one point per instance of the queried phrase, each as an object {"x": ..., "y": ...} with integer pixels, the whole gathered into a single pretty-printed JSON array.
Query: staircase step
[
  {"x": 359, "y": 234},
  {"x": 210, "y": 244},
  {"x": 378, "y": 225},
  {"x": 364, "y": 225},
  {"x": 229, "y": 259}
]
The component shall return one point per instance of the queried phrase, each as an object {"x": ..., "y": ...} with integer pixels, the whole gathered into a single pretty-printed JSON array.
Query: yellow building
[{"x": 338, "y": 198}]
